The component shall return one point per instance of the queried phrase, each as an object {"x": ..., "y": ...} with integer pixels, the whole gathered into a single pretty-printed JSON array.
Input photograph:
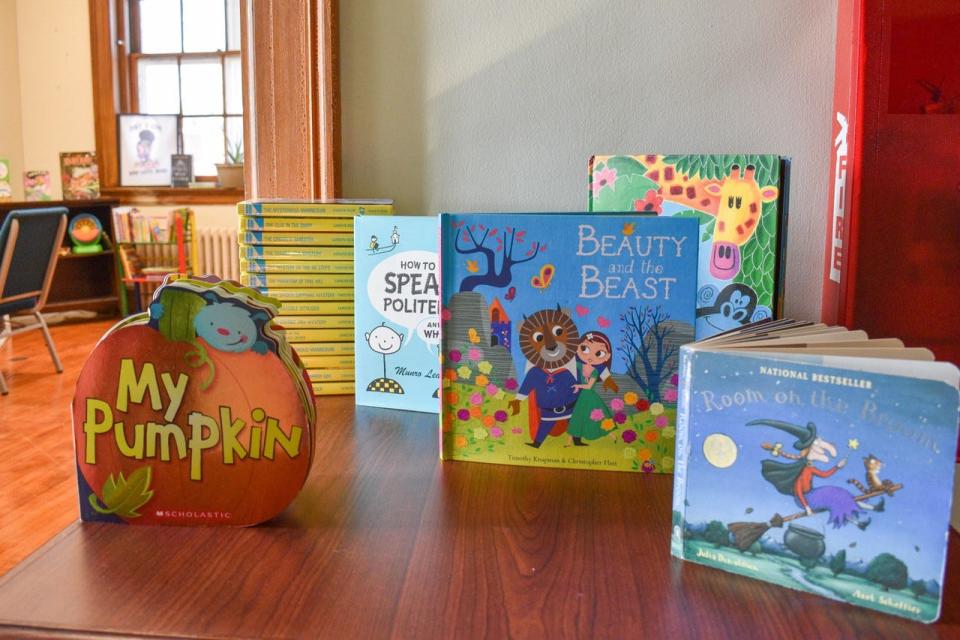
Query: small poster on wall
[
  {"x": 6, "y": 192},
  {"x": 79, "y": 175},
  {"x": 36, "y": 186},
  {"x": 181, "y": 167},
  {"x": 146, "y": 144}
]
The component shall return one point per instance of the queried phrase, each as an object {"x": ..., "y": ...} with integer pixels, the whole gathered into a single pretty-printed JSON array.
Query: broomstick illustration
[{"x": 746, "y": 533}]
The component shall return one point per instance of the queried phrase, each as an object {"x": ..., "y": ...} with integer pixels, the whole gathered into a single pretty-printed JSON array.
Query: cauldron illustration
[{"x": 805, "y": 542}]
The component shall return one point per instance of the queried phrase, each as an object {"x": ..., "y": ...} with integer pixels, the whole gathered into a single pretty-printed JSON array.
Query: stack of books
[{"x": 301, "y": 253}]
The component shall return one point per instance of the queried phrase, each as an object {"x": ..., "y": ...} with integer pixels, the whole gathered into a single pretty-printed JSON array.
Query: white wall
[
  {"x": 11, "y": 137},
  {"x": 484, "y": 105},
  {"x": 56, "y": 92}
]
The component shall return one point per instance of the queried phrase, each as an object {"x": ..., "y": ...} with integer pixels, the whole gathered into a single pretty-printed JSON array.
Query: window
[{"x": 185, "y": 59}]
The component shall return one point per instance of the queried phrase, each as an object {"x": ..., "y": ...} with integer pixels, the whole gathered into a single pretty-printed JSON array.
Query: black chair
[{"x": 30, "y": 241}]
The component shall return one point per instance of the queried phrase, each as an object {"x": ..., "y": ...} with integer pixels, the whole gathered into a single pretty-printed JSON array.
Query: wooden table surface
[{"x": 386, "y": 541}]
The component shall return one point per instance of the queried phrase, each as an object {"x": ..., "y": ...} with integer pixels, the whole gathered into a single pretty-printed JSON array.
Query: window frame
[
  {"x": 298, "y": 82},
  {"x": 114, "y": 74}
]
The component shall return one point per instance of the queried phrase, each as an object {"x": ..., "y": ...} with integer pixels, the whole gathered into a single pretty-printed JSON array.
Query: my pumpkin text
[{"x": 256, "y": 438}]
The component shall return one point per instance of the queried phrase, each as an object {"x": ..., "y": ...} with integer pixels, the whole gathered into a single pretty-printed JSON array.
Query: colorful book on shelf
[
  {"x": 319, "y": 335},
  {"x": 311, "y": 349},
  {"x": 294, "y": 280},
  {"x": 314, "y": 322},
  {"x": 79, "y": 175},
  {"x": 561, "y": 335},
  {"x": 37, "y": 186},
  {"x": 308, "y": 295},
  {"x": 342, "y": 388},
  {"x": 6, "y": 190},
  {"x": 253, "y": 223},
  {"x": 269, "y": 255},
  {"x": 318, "y": 239},
  {"x": 817, "y": 459},
  {"x": 398, "y": 324},
  {"x": 331, "y": 308},
  {"x": 326, "y": 374},
  {"x": 195, "y": 413},
  {"x": 328, "y": 362},
  {"x": 740, "y": 204},
  {"x": 314, "y": 208}
]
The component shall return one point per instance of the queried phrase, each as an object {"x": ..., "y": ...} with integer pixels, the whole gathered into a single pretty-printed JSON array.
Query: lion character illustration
[{"x": 548, "y": 341}]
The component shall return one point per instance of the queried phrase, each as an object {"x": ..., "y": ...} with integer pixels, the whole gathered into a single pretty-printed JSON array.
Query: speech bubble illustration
[{"x": 405, "y": 289}]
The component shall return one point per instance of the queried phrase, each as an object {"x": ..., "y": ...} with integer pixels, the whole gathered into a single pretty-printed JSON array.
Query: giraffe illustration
[{"x": 736, "y": 201}]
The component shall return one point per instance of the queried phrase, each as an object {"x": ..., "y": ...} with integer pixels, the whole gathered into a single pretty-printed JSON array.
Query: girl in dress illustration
[{"x": 593, "y": 364}]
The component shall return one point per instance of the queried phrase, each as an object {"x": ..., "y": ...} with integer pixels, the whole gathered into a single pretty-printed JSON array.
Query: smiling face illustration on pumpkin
[{"x": 226, "y": 327}]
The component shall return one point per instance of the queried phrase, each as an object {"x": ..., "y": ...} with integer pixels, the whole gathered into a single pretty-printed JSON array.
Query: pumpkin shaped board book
[{"x": 196, "y": 412}]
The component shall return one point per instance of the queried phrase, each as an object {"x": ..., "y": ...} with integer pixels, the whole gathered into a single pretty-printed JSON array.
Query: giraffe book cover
[
  {"x": 739, "y": 202},
  {"x": 561, "y": 336},
  {"x": 823, "y": 473},
  {"x": 397, "y": 297}
]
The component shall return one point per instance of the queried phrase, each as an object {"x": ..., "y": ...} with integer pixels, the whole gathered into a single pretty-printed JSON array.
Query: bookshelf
[
  {"x": 144, "y": 263},
  {"x": 81, "y": 281}
]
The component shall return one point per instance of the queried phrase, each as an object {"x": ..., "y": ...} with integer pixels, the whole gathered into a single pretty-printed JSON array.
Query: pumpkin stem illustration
[{"x": 198, "y": 358}]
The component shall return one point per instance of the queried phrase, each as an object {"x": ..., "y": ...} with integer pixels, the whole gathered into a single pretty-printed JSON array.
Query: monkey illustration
[
  {"x": 872, "y": 465},
  {"x": 548, "y": 341}
]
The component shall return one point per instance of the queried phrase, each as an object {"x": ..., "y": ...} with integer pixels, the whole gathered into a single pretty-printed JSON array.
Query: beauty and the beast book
[{"x": 561, "y": 336}]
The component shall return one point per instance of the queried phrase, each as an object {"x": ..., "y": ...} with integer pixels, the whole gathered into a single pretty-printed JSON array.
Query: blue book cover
[
  {"x": 561, "y": 336},
  {"x": 397, "y": 298},
  {"x": 827, "y": 474}
]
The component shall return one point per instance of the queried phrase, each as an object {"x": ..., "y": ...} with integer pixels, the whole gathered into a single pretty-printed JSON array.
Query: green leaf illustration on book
[{"x": 123, "y": 496}]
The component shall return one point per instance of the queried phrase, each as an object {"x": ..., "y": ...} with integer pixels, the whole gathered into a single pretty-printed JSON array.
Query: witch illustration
[{"x": 795, "y": 478}]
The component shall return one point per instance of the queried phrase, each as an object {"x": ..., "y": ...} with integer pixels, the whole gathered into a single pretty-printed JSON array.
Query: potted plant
[{"x": 230, "y": 175}]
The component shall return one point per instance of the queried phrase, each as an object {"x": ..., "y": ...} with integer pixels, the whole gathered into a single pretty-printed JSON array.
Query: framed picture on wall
[{"x": 146, "y": 143}]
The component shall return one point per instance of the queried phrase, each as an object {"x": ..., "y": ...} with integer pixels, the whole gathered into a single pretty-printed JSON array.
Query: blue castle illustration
[{"x": 499, "y": 325}]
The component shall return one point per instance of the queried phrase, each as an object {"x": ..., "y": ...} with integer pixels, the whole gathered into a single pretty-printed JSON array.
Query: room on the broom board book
[{"x": 640, "y": 336}]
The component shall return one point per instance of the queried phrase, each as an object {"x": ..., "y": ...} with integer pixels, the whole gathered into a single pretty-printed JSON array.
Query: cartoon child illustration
[
  {"x": 374, "y": 243},
  {"x": 547, "y": 341},
  {"x": 593, "y": 363},
  {"x": 385, "y": 341},
  {"x": 395, "y": 236},
  {"x": 796, "y": 478}
]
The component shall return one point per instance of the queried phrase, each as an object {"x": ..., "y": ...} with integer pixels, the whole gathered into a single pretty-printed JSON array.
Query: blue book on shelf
[
  {"x": 561, "y": 336},
  {"x": 818, "y": 471},
  {"x": 397, "y": 298}
]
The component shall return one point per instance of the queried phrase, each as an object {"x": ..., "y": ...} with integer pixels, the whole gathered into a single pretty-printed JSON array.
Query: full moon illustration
[{"x": 720, "y": 450}]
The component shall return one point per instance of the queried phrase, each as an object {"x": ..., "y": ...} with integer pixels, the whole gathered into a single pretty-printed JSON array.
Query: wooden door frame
[{"x": 291, "y": 92}]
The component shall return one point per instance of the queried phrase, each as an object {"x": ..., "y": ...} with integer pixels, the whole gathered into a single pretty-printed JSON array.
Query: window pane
[
  {"x": 204, "y": 27},
  {"x": 234, "y": 88},
  {"x": 235, "y": 134},
  {"x": 203, "y": 138},
  {"x": 159, "y": 26},
  {"x": 233, "y": 25},
  {"x": 202, "y": 86},
  {"x": 157, "y": 87}
]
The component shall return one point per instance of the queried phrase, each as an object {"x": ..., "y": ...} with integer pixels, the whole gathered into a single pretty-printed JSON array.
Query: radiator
[{"x": 218, "y": 254}]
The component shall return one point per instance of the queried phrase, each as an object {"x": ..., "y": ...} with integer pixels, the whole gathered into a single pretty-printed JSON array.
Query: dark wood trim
[
  {"x": 291, "y": 98},
  {"x": 105, "y": 82},
  {"x": 172, "y": 195},
  {"x": 327, "y": 114}
]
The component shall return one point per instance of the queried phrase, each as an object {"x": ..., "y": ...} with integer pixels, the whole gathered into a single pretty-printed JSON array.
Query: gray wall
[{"x": 484, "y": 105}]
